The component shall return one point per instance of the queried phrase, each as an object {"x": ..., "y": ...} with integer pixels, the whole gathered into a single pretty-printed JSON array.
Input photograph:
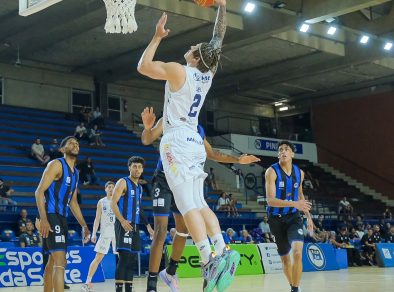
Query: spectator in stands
[
  {"x": 353, "y": 255},
  {"x": 390, "y": 235},
  {"x": 95, "y": 136},
  {"x": 345, "y": 207},
  {"x": 54, "y": 150},
  {"x": 360, "y": 231},
  {"x": 376, "y": 237},
  {"x": 29, "y": 238},
  {"x": 38, "y": 152},
  {"x": 212, "y": 179},
  {"x": 387, "y": 228},
  {"x": 87, "y": 173},
  {"x": 387, "y": 214},
  {"x": 246, "y": 237},
  {"x": 233, "y": 205},
  {"x": 22, "y": 221},
  {"x": 353, "y": 234},
  {"x": 5, "y": 200},
  {"x": 368, "y": 246},
  {"x": 97, "y": 118},
  {"x": 82, "y": 115},
  {"x": 81, "y": 132},
  {"x": 231, "y": 235},
  {"x": 223, "y": 204},
  {"x": 359, "y": 220},
  {"x": 264, "y": 226},
  {"x": 319, "y": 224},
  {"x": 307, "y": 183}
]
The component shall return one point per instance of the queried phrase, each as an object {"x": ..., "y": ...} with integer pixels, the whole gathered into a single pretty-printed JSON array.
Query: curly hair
[{"x": 209, "y": 57}]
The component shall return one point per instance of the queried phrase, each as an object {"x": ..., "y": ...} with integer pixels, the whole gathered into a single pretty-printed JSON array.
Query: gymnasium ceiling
[{"x": 266, "y": 59}]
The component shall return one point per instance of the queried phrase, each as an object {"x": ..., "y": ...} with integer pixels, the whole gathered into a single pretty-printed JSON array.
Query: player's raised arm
[
  {"x": 219, "y": 156},
  {"x": 270, "y": 189},
  {"x": 51, "y": 173},
  {"x": 119, "y": 190},
  {"x": 173, "y": 72},
  {"x": 220, "y": 25},
  {"x": 151, "y": 133}
]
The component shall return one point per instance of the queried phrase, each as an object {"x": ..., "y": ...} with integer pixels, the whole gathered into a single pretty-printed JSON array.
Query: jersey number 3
[{"x": 196, "y": 103}]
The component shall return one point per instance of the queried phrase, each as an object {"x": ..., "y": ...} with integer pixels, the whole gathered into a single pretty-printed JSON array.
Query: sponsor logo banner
[
  {"x": 385, "y": 254},
  {"x": 270, "y": 258}
]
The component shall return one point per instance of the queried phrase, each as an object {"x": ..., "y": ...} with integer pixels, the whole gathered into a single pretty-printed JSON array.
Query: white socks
[
  {"x": 218, "y": 243},
  {"x": 205, "y": 250}
]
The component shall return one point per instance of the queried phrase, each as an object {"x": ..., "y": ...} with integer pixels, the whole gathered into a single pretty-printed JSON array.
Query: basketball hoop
[{"x": 120, "y": 16}]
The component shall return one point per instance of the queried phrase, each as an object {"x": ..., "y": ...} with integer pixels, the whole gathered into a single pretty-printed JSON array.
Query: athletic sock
[
  {"x": 128, "y": 287},
  {"x": 119, "y": 287},
  {"x": 152, "y": 281},
  {"x": 88, "y": 280},
  {"x": 218, "y": 243},
  {"x": 205, "y": 250},
  {"x": 172, "y": 266}
]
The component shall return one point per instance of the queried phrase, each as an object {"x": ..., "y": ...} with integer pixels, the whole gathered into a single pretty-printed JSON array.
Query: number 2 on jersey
[{"x": 196, "y": 103}]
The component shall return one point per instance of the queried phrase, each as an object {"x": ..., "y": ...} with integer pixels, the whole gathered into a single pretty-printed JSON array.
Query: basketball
[{"x": 205, "y": 3}]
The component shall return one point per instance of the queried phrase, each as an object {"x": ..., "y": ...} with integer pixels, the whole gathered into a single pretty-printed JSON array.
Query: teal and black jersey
[
  {"x": 287, "y": 187},
  {"x": 60, "y": 192},
  {"x": 129, "y": 204}
]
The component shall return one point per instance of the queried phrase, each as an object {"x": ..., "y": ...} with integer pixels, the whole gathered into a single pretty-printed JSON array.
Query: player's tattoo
[{"x": 220, "y": 28}]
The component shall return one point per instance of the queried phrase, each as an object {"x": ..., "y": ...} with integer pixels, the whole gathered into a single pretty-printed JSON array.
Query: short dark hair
[
  {"x": 110, "y": 182},
  {"x": 209, "y": 57},
  {"x": 65, "y": 140},
  {"x": 288, "y": 143},
  {"x": 136, "y": 159}
]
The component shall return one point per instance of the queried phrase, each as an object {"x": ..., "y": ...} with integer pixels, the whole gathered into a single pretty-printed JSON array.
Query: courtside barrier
[
  {"x": 23, "y": 266},
  {"x": 385, "y": 254}
]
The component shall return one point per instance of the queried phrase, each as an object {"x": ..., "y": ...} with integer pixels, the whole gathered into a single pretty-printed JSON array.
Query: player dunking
[
  {"x": 182, "y": 149},
  {"x": 57, "y": 192},
  {"x": 126, "y": 204},
  {"x": 283, "y": 183},
  {"x": 163, "y": 202},
  {"x": 105, "y": 218}
]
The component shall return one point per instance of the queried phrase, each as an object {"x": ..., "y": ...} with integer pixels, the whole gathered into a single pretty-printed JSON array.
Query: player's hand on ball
[
  {"x": 86, "y": 234},
  {"x": 126, "y": 225},
  {"x": 94, "y": 238},
  {"x": 248, "y": 159},
  {"x": 161, "y": 31},
  {"x": 303, "y": 205},
  {"x": 45, "y": 228},
  {"x": 148, "y": 118}
]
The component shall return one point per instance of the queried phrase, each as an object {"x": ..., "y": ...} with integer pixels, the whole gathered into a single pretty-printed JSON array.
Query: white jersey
[
  {"x": 182, "y": 108},
  {"x": 107, "y": 222}
]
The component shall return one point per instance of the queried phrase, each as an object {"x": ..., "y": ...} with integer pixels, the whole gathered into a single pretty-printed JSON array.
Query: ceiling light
[
  {"x": 388, "y": 46},
  {"x": 283, "y": 108},
  {"x": 278, "y": 103},
  {"x": 329, "y": 20},
  {"x": 279, "y": 5},
  {"x": 332, "y": 30},
  {"x": 364, "y": 39},
  {"x": 250, "y": 7},
  {"x": 304, "y": 27}
]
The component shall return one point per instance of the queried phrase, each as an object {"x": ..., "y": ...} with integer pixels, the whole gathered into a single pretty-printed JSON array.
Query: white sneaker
[
  {"x": 87, "y": 288},
  {"x": 170, "y": 281}
]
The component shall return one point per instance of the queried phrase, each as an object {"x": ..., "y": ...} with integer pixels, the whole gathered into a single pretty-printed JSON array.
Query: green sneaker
[
  {"x": 232, "y": 259},
  {"x": 212, "y": 271}
]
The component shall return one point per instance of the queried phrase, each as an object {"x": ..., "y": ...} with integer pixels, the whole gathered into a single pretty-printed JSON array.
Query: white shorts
[
  {"x": 102, "y": 245},
  {"x": 183, "y": 154}
]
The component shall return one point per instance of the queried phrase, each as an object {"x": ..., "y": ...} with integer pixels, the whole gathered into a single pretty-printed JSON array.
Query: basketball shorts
[
  {"x": 162, "y": 197},
  {"x": 102, "y": 245},
  {"x": 183, "y": 154},
  {"x": 286, "y": 229},
  {"x": 127, "y": 240},
  {"x": 57, "y": 239}
]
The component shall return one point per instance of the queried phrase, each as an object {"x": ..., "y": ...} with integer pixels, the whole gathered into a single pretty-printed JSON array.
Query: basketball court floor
[{"x": 352, "y": 280}]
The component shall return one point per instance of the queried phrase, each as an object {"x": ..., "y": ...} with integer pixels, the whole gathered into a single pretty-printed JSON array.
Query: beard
[{"x": 72, "y": 154}]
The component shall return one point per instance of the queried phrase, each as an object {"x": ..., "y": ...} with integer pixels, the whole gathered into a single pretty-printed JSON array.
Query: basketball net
[{"x": 120, "y": 16}]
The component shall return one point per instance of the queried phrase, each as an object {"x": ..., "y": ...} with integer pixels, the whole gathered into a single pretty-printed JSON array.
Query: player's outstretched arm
[
  {"x": 219, "y": 156},
  {"x": 220, "y": 25},
  {"x": 76, "y": 210},
  {"x": 172, "y": 72},
  {"x": 270, "y": 189},
  {"x": 119, "y": 189},
  {"x": 96, "y": 223},
  {"x": 151, "y": 133},
  {"x": 51, "y": 172}
]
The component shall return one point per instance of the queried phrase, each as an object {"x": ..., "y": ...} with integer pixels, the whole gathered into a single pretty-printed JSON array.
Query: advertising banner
[
  {"x": 385, "y": 254},
  {"x": 270, "y": 258},
  {"x": 24, "y": 266},
  {"x": 189, "y": 265},
  {"x": 319, "y": 257}
]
